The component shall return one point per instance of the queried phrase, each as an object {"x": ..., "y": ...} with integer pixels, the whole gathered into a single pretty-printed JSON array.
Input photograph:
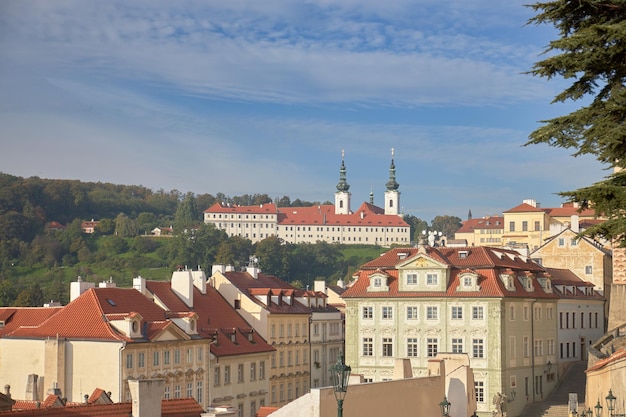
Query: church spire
[
  {"x": 392, "y": 184},
  {"x": 371, "y": 196},
  {"x": 343, "y": 185}
]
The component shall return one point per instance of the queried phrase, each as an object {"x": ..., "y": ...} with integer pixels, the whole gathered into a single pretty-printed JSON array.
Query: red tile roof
[
  {"x": 492, "y": 222},
  {"x": 524, "y": 208},
  {"x": 366, "y": 215},
  {"x": 181, "y": 407},
  {"x": 96, "y": 307},
  {"x": 14, "y": 317},
  {"x": 485, "y": 261},
  {"x": 216, "y": 317},
  {"x": 568, "y": 211},
  {"x": 265, "y": 411},
  {"x": 617, "y": 356}
]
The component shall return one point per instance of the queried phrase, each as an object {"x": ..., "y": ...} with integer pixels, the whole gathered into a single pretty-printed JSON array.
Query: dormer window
[
  {"x": 468, "y": 281},
  {"x": 432, "y": 278},
  {"x": 411, "y": 279},
  {"x": 378, "y": 282},
  {"x": 463, "y": 254}
]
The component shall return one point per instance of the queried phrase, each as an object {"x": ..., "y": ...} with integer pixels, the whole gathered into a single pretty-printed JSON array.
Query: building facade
[
  {"x": 336, "y": 223},
  {"x": 492, "y": 304}
]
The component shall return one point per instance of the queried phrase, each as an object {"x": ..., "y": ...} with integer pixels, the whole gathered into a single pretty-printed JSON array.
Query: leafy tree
[
  {"x": 141, "y": 244},
  {"x": 417, "y": 225},
  {"x": 186, "y": 214},
  {"x": 589, "y": 53},
  {"x": 447, "y": 225},
  {"x": 274, "y": 256},
  {"x": 234, "y": 251},
  {"x": 30, "y": 297},
  {"x": 7, "y": 293},
  {"x": 106, "y": 226},
  {"x": 125, "y": 226},
  {"x": 197, "y": 247},
  {"x": 146, "y": 221},
  {"x": 114, "y": 245}
]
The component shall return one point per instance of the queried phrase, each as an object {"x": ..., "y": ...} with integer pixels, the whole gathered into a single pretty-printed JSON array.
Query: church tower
[
  {"x": 342, "y": 196},
  {"x": 392, "y": 195}
]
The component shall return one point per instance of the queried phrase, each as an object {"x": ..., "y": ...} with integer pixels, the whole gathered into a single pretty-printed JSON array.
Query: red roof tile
[
  {"x": 14, "y": 317},
  {"x": 96, "y": 307},
  {"x": 215, "y": 317},
  {"x": 487, "y": 262},
  {"x": 524, "y": 208},
  {"x": 181, "y": 407},
  {"x": 492, "y": 222},
  {"x": 265, "y": 411}
]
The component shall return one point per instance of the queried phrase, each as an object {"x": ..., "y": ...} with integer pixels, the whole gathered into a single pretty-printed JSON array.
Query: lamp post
[
  {"x": 445, "y": 407},
  {"x": 340, "y": 374},
  {"x": 598, "y": 408},
  {"x": 610, "y": 402}
]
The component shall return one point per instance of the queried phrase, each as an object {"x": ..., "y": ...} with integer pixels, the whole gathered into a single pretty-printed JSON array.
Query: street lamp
[
  {"x": 598, "y": 408},
  {"x": 588, "y": 412},
  {"x": 610, "y": 402},
  {"x": 340, "y": 374},
  {"x": 445, "y": 407}
]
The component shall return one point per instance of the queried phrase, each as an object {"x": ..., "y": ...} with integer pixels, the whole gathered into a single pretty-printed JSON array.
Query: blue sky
[{"x": 246, "y": 97}]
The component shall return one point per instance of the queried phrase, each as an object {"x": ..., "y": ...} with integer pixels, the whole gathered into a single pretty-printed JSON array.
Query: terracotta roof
[
  {"x": 216, "y": 317},
  {"x": 617, "y": 356},
  {"x": 267, "y": 284},
  {"x": 265, "y": 411},
  {"x": 488, "y": 263},
  {"x": 14, "y": 317},
  {"x": 492, "y": 222},
  {"x": 366, "y": 215},
  {"x": 568, "y": 211},
  {"x": 180, "y": 407},
  {"x": 524, "y": 208},
  {"x": 96, "y": 307}
]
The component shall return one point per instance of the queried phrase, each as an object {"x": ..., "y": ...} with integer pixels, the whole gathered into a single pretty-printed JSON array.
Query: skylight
[{"x": 111, "y": 302}]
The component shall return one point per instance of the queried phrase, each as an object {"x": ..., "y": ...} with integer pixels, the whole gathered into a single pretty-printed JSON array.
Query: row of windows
[
  {"x": 232, "y": 216},
  {"x": 538, "y": 347},
  {"x": 239, "y": 225},
  {"x": 318, "y": 229},
  {"x": 163, "y": 357},
  {"x": 568, "y": 320},
  {"x": 290, "y": 391},
  {"x": 252, "y": 373},
  {"x": 290, "y": 327},
  {"x": 431, "y": 347},
  {"x": 525, "y": 226},
  {"x": 432, "y": 278},
  {"x": 432, "y": 312},
  {"x": 330, "y": 328},
  {"x": 188, "y": 394},
  {"x": 538, "y": 312},
  {"x": 290, "y": 357}
]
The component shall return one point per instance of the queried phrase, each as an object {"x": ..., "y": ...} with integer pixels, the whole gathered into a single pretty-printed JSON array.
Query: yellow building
[
  {"x": 282, "y": 315},
  {"x": 103, "y": 338}
]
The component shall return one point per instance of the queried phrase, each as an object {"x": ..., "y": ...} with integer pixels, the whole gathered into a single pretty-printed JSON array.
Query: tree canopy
[{"x": 589, "y": 53}]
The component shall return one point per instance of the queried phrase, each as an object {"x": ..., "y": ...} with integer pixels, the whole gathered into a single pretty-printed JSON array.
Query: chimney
[
  {"x": 218, "y": 268},
  {"x": 530, "y": 202},
  {"x": 107, "y": 284},
  {"x": 78, "y": 287},
  {"x": 574, "y": 223},
  {"x": 32, "y": 391},
  {"x": 341, "y": 284},
  {"x": 182, "y": 285},
  {"x": 319, "y": 286},
  {"x": 199, "y": 280},
  {"x": 7, "y": 391},
  {"x": 146, "y": 395},
  {"x": 139, "y": 284}
]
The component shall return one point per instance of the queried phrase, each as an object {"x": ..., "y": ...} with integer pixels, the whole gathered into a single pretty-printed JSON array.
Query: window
[
  {"x": 537, "y": 312},
  {"x": 537, "y": 225},
  {"x": 177, "y": 356},
  {"x": 511, "y": 226},
  {"x": 550, "y": 346},
  {"x": 573, "y": 242},
  {"x": 262, "y": 370},
  {"x": 177, "y": 391},
  {"x": 253, "y": 371},
  {"x": 199, "y": 354},
  {"x": 368, "y": 313},
  {"x": 525, "y": 313},
  {"x": 378, "y": 282},
  {"x": 468, "y": 281},
  {"x": 432, "y": 313},
  {"x": 588, "y": 269},
  {"x": 457, "y": 345},
  {"x": 411, "y": 313},
  {"x": 524, "y": 226},
  {"x": 479, "y": 389},
  {"x": 216, "y": 376},
  {"x": 141, "y": 360},
  {"x": 526, "y": 347},
  {"x": 478, "y": 348},
  {"x": 289, "y": 330},
  {"x": 477, "y": 313},
  {"x": 297, "y": 357},
  {"x": 289, "y": 392},
  {"x": 129, "y": 360},
  {"x": 281, "y": 330},
  {"x": 387, "y": 346},
  {"x": 240, "y": 373},
  {"x": 273, "y": 393},
  {"x": 512, "y": 312},
  {"x": 411, "y": 279},
  {"x": 538, "y": 347},
  {"x": 431, "y": 278},
  {"x": 189, "y": 355},
  {"x": 227, "y": 375},
  {"x": 431, "y": 347},
  {"x": 166, "y": 394},
  {"x": 457, "y": 313},
  {"x": 289, "y": 362},
  {"x": 199, "y": 392},
  {"x": 281, "y": 359},
  {"x": 189, "y": 389},
  {"x": 281, "y": 392},
  {"x": 549, "y": 313},
  {"x": 253, "y": 408},
  {"x": 411, "y": 347},
  {"x": 155, "y": 358},
  {"x": 368, "y": 346},
  {"x": 387, "y": 313},
  {"x": 561, "y": 241},
  {"x": 273, "y": 331}
]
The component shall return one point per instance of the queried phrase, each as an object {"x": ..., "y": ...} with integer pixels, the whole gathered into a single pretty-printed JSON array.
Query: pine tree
[{"x": 590, "y": 53}]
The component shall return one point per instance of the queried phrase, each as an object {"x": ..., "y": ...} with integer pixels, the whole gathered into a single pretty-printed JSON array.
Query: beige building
[
  {"x": 283, "y": 316},
  {"x": 103, "y": 338},
  {"x": 336, "y": 223},
  {"x": 525, "y": 227},
  {"x": 237, "y": 370},
  {"x": 492, "y": 304},
  {"x": 404, "y": 396}
]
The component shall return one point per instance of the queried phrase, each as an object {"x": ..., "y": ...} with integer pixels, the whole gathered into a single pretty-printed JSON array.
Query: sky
[{"x": 246, "y": 97}]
